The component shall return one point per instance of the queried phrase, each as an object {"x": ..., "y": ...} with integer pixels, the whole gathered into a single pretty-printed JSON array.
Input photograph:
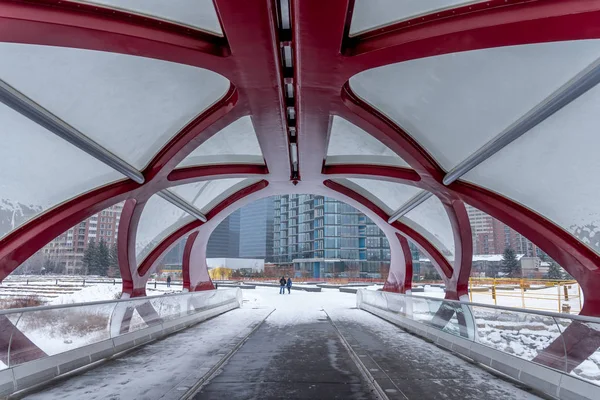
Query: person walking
[
  {"x": 282, "y": 283},
  {"x": 289, "y": 284},
  {"x": 169, "y": 281}
]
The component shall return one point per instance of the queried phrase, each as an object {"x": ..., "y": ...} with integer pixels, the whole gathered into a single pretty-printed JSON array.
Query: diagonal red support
[
  {"x": 92, "y": 27},
  {"x": 185, "y": 264},
  {"x": 130, "y": 218},
  {"x": 494, "y": 23},
  {"x": 182, "y": 176},
  {"x": 400, "y": 276}
]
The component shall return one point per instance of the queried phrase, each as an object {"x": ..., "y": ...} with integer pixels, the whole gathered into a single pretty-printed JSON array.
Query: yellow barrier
[{"x": 536, "y": 294}]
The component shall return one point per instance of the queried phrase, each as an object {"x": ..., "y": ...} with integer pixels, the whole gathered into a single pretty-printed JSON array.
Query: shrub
[{"x": 22, "y": 302}]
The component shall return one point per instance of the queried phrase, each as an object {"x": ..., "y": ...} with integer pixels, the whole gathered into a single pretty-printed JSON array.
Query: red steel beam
[
  {"x": 181, "y": 176},
  {"x": 185, "y": 263},
  {"x": 250, "y": 29},
  {"x": 73, "y": 24},
  {"x": 399, "y": 279},
  {"x": 494, "y": 23},
  {"x": 128, "y": 224},
  {"x": 397, "y": 174}
]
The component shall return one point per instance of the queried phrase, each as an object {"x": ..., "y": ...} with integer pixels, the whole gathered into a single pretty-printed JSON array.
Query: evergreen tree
[
  {"x": 567, "y": 276},
  {"x": 103, "y": 259},
  {"x": 555, "y": 271},
  {"x": 114, "y": 261},
  {"x": 432, "y": 276},
  {"x": 510, "y": 265},
  {"x": 89, "y": 257}
]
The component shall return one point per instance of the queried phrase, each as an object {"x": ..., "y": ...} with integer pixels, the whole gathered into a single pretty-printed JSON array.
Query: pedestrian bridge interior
[{"x": 406, "y": 110}]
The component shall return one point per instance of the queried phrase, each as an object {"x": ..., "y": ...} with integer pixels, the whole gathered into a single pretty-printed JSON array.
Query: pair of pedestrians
[{"x": 283, "y": 283}]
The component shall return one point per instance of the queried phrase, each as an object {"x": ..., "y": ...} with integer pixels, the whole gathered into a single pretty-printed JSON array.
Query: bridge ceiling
[
  {"x": 390, "y": 196},
  {"x": 431, "y": 220},
  {"x": 198, "y": 14},
  {"x": 349, "y": 144},
  {"x": 370, "y": 15},
  {"x": 186, "y": 107},
  {"x": 454, "y": 104},
  {"x": 236, "y": 143}
]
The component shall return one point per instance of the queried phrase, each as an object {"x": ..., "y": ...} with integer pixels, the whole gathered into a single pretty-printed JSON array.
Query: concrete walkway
[
  {"x": 306, "y": 361},
  {"x": 408, "y": 367}
]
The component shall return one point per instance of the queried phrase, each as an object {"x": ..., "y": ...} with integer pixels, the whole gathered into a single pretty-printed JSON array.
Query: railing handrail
[
  {"x": 96, "y": 303},
  {"x": 594, "y": 320}
]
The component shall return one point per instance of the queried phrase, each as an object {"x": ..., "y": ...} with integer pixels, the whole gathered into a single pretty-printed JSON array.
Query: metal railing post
[
  {"x": 558, "y": 287},
  {"x": 470, "y": 289}
]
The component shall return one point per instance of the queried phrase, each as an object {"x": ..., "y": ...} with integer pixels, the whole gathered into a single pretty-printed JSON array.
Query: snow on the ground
[
  {"x": 158, "y": 369},
  {"x": 94, "y": 292},
  {"x": 298, "y": 307}
]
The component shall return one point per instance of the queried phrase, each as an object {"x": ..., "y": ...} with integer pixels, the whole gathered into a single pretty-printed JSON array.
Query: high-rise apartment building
[
  {"x": 67, "y": 249},
  {"x": 491, "y": 236},
  {"x": 322, "y": 237}
]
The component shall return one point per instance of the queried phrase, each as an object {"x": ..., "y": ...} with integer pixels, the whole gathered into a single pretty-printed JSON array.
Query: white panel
[
  {"x": 205, "y": 195},
  {"x": 39, "y": 170},
  {"x": 553, "y": 169},
  {"x": 371, "y": 14},
  {"x": 197, "y": 13},
  {"x": 431, "y": 220},
  {"x": 159, "y": 219},
  {"x": 130, "y": 105},
  {"x": 349, "y": 144},
  {"x": 453, "y": 104},
  {"x": 391, "y": 195},
  {"x": 235, "y": 143}
]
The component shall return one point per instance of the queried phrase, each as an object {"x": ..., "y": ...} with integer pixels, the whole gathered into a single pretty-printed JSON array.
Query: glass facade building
[
  {"x": 225, "y": 239},
  {"x": 325, "y": 238},
  {"x": 256, "y": 229}
]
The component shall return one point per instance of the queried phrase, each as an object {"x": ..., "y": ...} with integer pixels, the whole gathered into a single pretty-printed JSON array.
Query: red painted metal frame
[
  {"x": 185, "y": 263},
  {"x": 399, "y": 279},
  {"x": 249, "y": 57}
]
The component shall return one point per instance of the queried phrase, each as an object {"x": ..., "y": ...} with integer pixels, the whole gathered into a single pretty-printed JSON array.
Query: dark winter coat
[{"x": 282, "y": 281}]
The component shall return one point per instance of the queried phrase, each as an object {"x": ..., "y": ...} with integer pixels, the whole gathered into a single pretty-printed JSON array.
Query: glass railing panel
[
  {"x": 7, "y": 331},
  {"x": 424, "y": 310},
  {"x": 45, "y": 331},
  {"x": 582, "y": 341},
  {"x": 54, "y": 331},
  {"x": 520, "y": 334},
  {"x": 453, "y": 318},
  {"x": 375, "y": 298}
]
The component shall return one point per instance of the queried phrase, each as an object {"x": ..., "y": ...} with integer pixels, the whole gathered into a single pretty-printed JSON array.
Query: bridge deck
[{"x": 297, "y": 353}]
